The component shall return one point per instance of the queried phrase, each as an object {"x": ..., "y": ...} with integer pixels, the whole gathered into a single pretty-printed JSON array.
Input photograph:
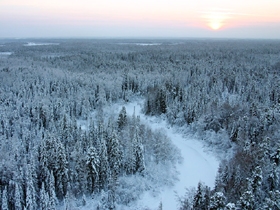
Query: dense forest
[{"x": 225, "y": 91}]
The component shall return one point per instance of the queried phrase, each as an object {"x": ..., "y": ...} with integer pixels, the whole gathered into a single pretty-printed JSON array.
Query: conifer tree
[
  {"x": 111, "y": 193},
  {"x": 198, "y": 198},
  {"x": 61, "y": 170},
  {"x": 103, "y": 204},
  {"x": 52, "y": 194},
  {"x": 247, "y": 200},
  {"x": 122, "y": 119},
  {"x": 217, "y": 201},
  {"x": 273, "y": 201},
  {"x": 18, "y": 197},
  {"x": 30, "y": 189},
  {"x": 4, "y": 205},
  {"x": 104, "y": 172},
  {"x": 256, "y": 179},
  {"x": 44, "y": 198},
  {"x": 114, "y": 155},
  {"x": 138, "y": 153},
  {"x": 273, "y": 178},
  {"x": 93, "y": 168}
]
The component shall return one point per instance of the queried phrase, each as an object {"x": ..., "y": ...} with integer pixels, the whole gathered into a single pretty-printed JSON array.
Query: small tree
[
  {"x": 217, "y": 201},
  {"x": 44, "y": 198},
  {"x": 122, "y": 119},
  {"x": 30, "y": 190},
  {"x": 114, "y": 155},
  {"x": 4, "y": 205},
  {"x": 18, "y": 204},
  {"x": 198, "y": 201},
  {"x": 52, "y": 195},
  {"x": 247, "y": 200},
  {"x": 93, "y": 165}
]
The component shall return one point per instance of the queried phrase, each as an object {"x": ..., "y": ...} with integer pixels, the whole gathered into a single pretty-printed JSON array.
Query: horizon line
[{"x": 135, "y": 38}]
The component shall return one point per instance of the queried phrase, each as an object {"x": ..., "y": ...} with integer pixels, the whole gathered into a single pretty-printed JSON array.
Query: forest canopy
[{"x": 229, "y": 88}]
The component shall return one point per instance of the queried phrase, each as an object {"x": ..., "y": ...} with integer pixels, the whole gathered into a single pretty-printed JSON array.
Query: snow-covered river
[{"x": 197, "y": 165}]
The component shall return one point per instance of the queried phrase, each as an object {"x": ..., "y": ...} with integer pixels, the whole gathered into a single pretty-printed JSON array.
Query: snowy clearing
[
  {"x": 197, "y": 165},
  {"x": 39, "y": 44},
  {"x": 148, "y": 44},
  {"x": 5, "y": 53},
  {"x": 141, "y": 44}
]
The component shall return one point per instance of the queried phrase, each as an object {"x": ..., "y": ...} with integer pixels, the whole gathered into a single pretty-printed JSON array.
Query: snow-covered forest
[{"x": 60, "y": 147}]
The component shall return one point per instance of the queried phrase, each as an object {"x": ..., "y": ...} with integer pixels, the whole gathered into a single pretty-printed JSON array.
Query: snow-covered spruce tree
[
  {"x": 155, "y": 103},
  {"x": 65, "y": 131},
  {"x": 273, "y": 178},
  {"x": 186, "y": 201},
  {"x": 247, "y": 200},
  {"x": 122, "y": 118},
  {"x": 4, "y": 200},
  {"x": 257, "y": 179},
  {"x": 276, "y": 157},
  {"x": 217, "y": 201},
  {"x": 198, "y": 198},
  {"x": 114, "y": 155},
  {"x": 273, "y": 201},
  {"x": 104, "y": 170},
  {"x": 111, "y": 193},
  {"x": 135, "y": 158},
  {"x": 44, "y": 198},
  {"x": 93, "y": 170},
  {"x": 53, "y": 158},
  {"x": 18, "y": 197},
  {"x": 61, "y": 171},
  {"x": 67, "y": 205},
  {"x": 30, "y": 200},
  {"x": 79, "y": 170},
  {"x": 202, "y": 197},
  {"x": 91, "y": 139},
  {"x": 138, "y": 152},
  {"x": 47, "y": 156},
  {"x": 52, "y": 195}
]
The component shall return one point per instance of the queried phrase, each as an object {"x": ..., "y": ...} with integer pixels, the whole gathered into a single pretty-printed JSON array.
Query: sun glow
[
  {"x": 215, "y": 25},
  {"x": 216, "y": 18}
]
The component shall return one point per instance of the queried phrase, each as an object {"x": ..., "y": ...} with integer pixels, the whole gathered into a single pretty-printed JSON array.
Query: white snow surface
[
  {"x": 6, "y": 53},
  {"x": 29, "y": 44},
  {"x": 147, "y": 44},
  {"x": 197, "y": 165},
  {"x": 140, "y": 44}
]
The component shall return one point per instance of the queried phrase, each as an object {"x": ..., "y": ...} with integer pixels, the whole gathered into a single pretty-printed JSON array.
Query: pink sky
[{"x": 145, "y": 18}]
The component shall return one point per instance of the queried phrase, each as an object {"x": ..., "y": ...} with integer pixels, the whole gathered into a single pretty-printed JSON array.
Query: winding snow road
[{"x": 197, "y": 165}]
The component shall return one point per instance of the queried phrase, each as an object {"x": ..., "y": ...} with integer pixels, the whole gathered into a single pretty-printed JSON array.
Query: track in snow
[{"x": 197, "y": 165}]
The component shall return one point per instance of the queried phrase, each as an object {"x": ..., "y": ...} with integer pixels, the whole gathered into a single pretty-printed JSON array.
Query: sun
[
  {"x": 216, "y": 18},
  {"x": 215, "y": 25}
]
